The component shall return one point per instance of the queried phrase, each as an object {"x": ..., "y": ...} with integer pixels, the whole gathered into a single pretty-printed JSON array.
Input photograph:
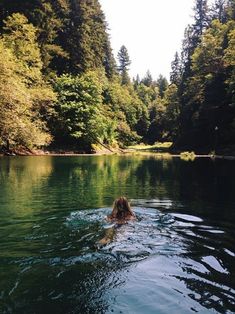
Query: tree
[
  {"x": 156, "y": 131},
  {"x": 50, "y": 24},
  {"x": 171, "y": 118},
  {"x": 191, "y": 39},
  {"x": 218, "y": 11},
  {"x": 229, "y": 62},
  {"x": 147, "y": 80},
  {"x": 175, "y": 75},
  {"x": 20, "y": 123},
  {"x": 201, "y": 19},
  {"x": 86, "y": 38},
  {"x": 81, "y": 117},
  {"x": 44, "y": 15},
  {"x": 136, "y": 81},
  {"x": 162, "y": 84},
  {"x": 230, "y": 9},
  {"x": 21, "y": 38},
  {"x": 72, "y": 34},
  {"x": 124, "y": 62},
  {"x": 25, "y": 96},
  {"x": 209, "y": 93}
]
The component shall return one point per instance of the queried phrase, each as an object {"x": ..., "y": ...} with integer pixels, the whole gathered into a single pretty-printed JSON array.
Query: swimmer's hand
[{"x": 104, "y": 241}]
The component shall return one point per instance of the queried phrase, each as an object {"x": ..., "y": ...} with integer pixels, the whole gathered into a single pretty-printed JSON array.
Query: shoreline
[{"x": 55, "y": 153}]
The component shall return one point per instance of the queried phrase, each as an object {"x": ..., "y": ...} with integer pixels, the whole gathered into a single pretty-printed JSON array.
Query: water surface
[{"x": 177, "y": 257}]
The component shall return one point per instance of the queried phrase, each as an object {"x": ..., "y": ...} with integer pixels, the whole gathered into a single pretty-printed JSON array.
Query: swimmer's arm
[{"x": 109, "y": 234}]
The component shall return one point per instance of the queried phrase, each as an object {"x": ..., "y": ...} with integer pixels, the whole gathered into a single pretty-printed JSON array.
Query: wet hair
[{"x": 121, "y": 208}]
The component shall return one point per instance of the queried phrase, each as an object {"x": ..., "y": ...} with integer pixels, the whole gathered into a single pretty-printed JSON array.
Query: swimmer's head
[{"x": 121, "y": 208}]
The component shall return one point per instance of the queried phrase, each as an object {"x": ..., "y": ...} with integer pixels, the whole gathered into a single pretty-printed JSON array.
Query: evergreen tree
[
  {"x": 147, "y": 80},
  {"x": 175, "y": 75},
  {"x": 192, "y": 37},
  {"x": 187, "y": 51},
  {"x": 49, "y": 24},
  {"x": 162, "y": 84},
  {"x": 230, "y": 9},
  {"x": 171, "y": 117},
  {"x": 201, "y": 19},
  {"x": 218, "y": 11},
  {"x": 86, "y": 38},
  {"x": 124, "y": 62},
  {"x": 136, "y": 81}
]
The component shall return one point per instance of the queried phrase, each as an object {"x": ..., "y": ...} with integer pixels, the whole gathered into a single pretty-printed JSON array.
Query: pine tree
[
  {"x": 136, "y": 81},
  {"x": 218, "y": 10},
  {"x": 124, "y": 62},
  {"x": 201, "y": 19},
  {"x": 147, "y": 80},
  {"x": 162, "y": 84},
  {"x": 175, "y": 75},
  {"x": 231, "y": 9},
  {"x": 192, "y": 35},
  {"x": 86, "y": 38}
]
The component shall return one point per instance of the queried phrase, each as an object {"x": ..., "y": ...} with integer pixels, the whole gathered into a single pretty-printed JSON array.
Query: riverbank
[
  {"x": 163, "y": 150},
  {"x": 66, "y": 151}
]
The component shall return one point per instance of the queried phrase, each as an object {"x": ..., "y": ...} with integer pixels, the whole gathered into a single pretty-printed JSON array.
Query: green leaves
[
  {"x": 79, "y": 107},
  {"x": 23, "y": 93}
]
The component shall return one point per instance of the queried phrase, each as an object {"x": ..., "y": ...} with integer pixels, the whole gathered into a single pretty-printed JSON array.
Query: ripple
[
  {"x": 188, "y": 218},
  {"x": 213, "y": 263},
  {"x": 151, "y": 233}
]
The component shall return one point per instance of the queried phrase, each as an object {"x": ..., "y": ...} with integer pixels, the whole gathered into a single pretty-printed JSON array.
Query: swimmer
[{"x": 121, "y": 213}]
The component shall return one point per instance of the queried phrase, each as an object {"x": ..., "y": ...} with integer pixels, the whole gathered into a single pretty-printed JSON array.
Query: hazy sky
[{"x": 152, "y": 31}]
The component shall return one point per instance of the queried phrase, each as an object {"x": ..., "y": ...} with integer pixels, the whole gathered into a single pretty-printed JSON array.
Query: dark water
[{"x": 178, "y": 257}]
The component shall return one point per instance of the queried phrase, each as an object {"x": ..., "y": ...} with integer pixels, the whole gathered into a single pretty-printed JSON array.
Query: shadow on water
[{"x": 178, "y": 256}]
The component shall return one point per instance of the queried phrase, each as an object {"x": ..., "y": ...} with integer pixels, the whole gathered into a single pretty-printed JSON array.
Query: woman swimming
[{"x": 121, "y": 213}]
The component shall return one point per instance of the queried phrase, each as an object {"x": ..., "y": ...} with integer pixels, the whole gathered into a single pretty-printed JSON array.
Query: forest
[{"x": 62, "y": 87}]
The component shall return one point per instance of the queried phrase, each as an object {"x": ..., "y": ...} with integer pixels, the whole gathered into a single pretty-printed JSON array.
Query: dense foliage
[
  {"x": 60, "y": 84},
  {"x": 206, "y": 80}
]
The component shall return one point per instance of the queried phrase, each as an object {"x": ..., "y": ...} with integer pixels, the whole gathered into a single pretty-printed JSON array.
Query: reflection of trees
[
  {"x": 70, "y": 183},
  {"x": 92, "y": 181},
  {"x": 97, "y": 181},
  {"x": 19, "y": 177},
  {"x": 207, "y": 182}
]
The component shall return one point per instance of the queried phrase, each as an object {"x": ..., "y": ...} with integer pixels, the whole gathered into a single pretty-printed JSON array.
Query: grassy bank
[{"x": 157, "y": 147}]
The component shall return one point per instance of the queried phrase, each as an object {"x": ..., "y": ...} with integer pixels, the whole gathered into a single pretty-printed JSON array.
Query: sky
[{"x": 151, "y": 30}]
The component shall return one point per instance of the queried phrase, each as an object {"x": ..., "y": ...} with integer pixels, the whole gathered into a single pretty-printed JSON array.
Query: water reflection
[{"x": 179, "y": 256}]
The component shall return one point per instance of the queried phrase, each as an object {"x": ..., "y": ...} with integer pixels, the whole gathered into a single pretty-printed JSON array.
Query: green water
[{"x": 178, "y": 257}]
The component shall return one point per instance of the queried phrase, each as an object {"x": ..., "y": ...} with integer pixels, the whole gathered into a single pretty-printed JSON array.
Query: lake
[{"x": 177, "y": 257}]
